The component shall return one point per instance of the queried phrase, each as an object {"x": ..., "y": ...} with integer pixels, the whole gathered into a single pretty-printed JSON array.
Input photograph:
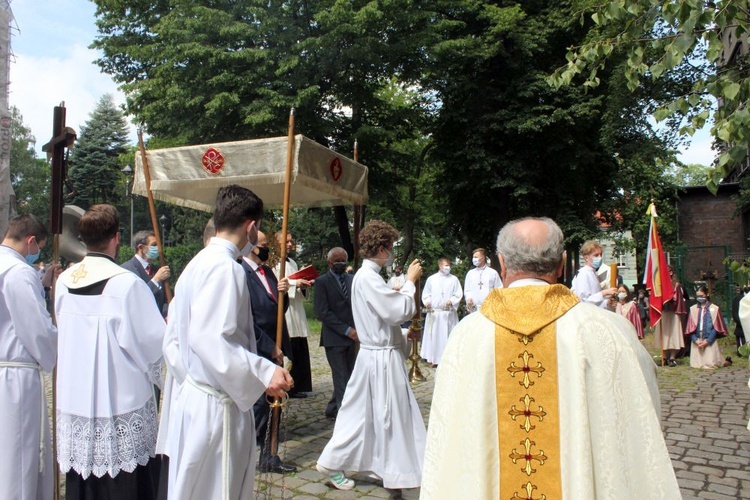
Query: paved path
[{"x": 705, "y": 415}]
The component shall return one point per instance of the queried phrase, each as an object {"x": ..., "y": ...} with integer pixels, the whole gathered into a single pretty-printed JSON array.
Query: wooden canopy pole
[
  {"x": 152, "y": 210},
  {"x": 357, "y": 217},
  {"x": 62, "y": 138},
  {"x": 276, "y": 406}
]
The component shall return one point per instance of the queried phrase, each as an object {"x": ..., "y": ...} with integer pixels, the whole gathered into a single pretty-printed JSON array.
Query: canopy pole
[
  {"x": 276, "y": 406},
  {"x": 152, "y": 210},
  {"x": 357, "y": 215}
]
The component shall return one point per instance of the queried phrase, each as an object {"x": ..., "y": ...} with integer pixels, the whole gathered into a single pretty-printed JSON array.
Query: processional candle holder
[{"x": 415, "y": 330}]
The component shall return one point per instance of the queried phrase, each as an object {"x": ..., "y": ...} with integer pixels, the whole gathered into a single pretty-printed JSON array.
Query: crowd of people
[{"x": 220, "y": 355}]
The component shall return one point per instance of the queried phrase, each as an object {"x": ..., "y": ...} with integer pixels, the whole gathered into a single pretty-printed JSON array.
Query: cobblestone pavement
[{"x": 705, "y": 416}]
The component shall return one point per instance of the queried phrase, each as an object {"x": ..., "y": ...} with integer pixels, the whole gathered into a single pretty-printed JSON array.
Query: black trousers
[
  {"x": 341, "y": 360},
  {"x": 142, "y": 484},
  {"x": 301, "y": 372}
]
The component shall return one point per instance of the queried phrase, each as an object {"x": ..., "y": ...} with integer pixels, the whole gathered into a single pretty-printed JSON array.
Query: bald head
[{"x": 531, "y": 247}]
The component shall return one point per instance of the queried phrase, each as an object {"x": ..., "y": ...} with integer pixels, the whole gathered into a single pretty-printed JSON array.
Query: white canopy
[{"x": 191, "y": 175}]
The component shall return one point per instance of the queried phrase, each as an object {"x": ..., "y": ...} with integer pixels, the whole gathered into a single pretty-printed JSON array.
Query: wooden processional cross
[{"x": 62, "y": 138}]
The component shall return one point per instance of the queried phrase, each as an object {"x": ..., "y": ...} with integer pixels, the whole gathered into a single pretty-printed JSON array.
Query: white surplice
[
  {"x": 396, "y": 281},
  {"x": 109, "y": 358},
  {"x": 207, "y": 426},
  {"x": 586, "y": 285},
  {"x": 379, "y": 430},
  {"x": 28, "y": 346},
  {"x": 441, "y": 319},
  {"x": 296, "y": 319},
  {"x": 611, "y": 443},
  {"x": 478, "y": 283}
]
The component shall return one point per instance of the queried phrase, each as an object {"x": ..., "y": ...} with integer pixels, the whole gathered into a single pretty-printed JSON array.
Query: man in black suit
[
  {"x": 333, "y": 306},
  {"x": 143, "y": 264},
  {"x": 264, "y": 295}
]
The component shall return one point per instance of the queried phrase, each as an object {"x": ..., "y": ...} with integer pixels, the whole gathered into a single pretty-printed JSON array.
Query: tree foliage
[
  {"x": 678, "y": 40},
  {"x": 448, "y": 100},
  {"x": 95, "y": 166},
  {"x": 29, "y": 176}
]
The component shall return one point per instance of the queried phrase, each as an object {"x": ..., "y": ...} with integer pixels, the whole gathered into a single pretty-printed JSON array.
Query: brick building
[{"x": 709, "y": 233}]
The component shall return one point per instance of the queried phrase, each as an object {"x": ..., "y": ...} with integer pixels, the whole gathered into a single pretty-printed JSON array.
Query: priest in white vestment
[
  {"x": 207, "y": 427},
  {"x": 564, "y": 399},
  {"x": 586, "y": 283},
  {"x": 379, "y": 431},
  {"x": 109, "y": 358},
  {"x": 441, "y": 295},
  {"x": 479, "y": 281},
  {"x": 28, "y": 347}
]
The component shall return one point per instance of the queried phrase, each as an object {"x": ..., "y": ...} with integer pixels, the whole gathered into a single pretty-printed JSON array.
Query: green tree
[
  {"x": 29, "y": 176},
  {"x": 678, "y": 40},
  {"x": 95, "y": 166}
]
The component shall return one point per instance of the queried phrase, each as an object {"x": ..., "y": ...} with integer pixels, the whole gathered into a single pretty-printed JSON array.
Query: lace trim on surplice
[{"x": 107, "y": 445}]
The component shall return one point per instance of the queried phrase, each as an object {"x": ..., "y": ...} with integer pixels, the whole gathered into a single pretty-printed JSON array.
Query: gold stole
[{"x": 527, "y": 388}]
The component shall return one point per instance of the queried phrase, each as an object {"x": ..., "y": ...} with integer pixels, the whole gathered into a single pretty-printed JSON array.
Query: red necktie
[{"x": 267, "y": 284}]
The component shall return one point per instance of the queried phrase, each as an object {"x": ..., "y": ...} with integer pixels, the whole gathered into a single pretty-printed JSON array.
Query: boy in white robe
[
  {"x": 109, "y": 358},
  {"x": 441, "y": 295},
  {"x": 207, "y": 425},
  {"x": 479, "y": 281},
  {"x": 379, "y": 430},
  {"x": 28, "y": 346}
]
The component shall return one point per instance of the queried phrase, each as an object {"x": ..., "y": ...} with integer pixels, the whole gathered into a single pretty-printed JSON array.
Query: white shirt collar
[
  {"x": 216, "y": 241},
  {"x": 250, "y": 262},
  {"x": 143, "y": 261},
  {"x": 528, "y": 282},
  {"x": 371, "y": 264}
]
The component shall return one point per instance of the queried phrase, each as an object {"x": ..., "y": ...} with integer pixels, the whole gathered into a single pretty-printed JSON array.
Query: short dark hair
[
  {"x": 26, "y": 225},
  {"x": 234, "y": 206},
  {"x": 98, "y": 226},
  {"x": 374, "y": 236},
  {"x": 141, "y": 237}
]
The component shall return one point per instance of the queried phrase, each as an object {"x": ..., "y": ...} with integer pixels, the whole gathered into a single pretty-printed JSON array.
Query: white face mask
[
  {"x": 389, "y": 260},
  {"x": 446, "y": 270},
  {"x": 476, "y": 261},
  {"x": 622, "y": 295}
]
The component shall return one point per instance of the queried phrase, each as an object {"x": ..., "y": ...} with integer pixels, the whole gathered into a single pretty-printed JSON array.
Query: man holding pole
[
  {"x": 28, "y": 346},
  {"x": 207, "y": 424}
]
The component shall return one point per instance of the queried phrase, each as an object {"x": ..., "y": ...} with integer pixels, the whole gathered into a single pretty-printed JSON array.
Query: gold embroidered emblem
[
  {"x": 527, "y": 369},
  {"x": 528, "y": 314},
  {"x": 529, "y": 491},
  {"x": 79, "y": 273},
  {"x": 527, "y": 412},
  {"x": 528, "y": 456}
]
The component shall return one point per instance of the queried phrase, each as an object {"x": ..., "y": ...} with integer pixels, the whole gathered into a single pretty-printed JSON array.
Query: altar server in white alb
[
  {"x": 586, "y": 283},
  {"x": 379, "y": 430},
  {"x": 28, "y": 347},
  {"x": 479, "y": 281},
  {"x": 207, "y": 426},
  {"x": 109, "y": 358},
  {"x": 441, "y": 295},
  {"x": 564, "y": 402}
]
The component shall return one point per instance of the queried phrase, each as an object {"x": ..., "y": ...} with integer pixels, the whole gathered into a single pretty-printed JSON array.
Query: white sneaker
[{"x": 337, "y": 478}]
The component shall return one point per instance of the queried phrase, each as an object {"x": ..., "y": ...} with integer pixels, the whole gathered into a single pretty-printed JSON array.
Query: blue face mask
[
  {"x": 152, "y": 252},
  {"x": 33, "y": 257},
  {"x": 596, "y": 262}
]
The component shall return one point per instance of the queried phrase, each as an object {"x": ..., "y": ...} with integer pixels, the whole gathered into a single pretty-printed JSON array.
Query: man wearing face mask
[
  {"x": 480, "y": 280},
  {"x": 264, "y": 291},
  {"x": 208, "y": 428},
  {"x": 441, "y": 295},
  {"x": 28, "y": 346},
  {"x": 333, "y": 307},
  {"x": 586, "y": 283},
  {"x": 143, "y": 264}
]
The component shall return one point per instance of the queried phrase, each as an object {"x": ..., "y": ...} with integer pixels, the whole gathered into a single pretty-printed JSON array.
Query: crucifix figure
[{"x": 62, "y": 138}]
